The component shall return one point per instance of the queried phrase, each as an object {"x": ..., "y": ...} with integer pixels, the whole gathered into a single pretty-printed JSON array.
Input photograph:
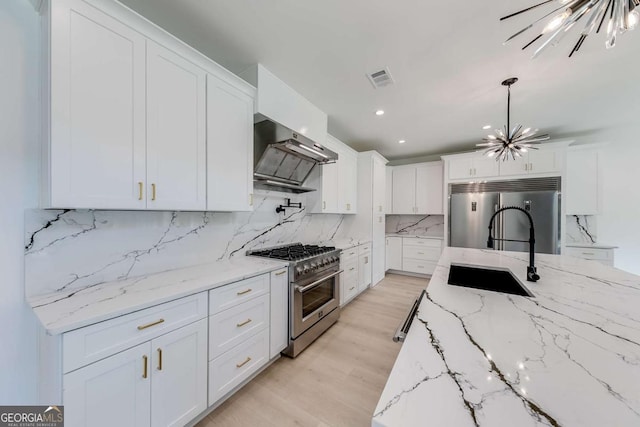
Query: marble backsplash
[
  {"x": 73, "y": 249},
  {"x": 417, "y": 225},
  {"x": 581, "y": 229}
]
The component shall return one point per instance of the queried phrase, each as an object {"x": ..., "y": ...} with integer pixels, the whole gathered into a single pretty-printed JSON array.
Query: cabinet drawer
[
  {"x": 236, "y": 365},
  {"x": 411, "y": 241},
  {"x": 230, "y": 327},
  {"x": 236, "y": 293},
  {"x": 421, "y": 253},
  {"x": 366, "y": 248},
  {"x": 89, "y": 344},
  {"x": 590, "y": 253},
  {"x": 350, "y": 289},
  {"x": 348, "y": 255},
  {"x": 417, "y": 266}
]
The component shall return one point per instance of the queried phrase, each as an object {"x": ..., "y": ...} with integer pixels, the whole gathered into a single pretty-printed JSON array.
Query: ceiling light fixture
[
  {"x": 379, "y": 112},
  {"x": 402, "y": 141},
  {"x": 514, "y": 141},
  {"x": 621, "y": 16},
  {"x": 485, "y": 127}
]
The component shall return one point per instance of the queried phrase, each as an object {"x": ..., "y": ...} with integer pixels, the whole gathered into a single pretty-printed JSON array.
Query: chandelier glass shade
[
  {"x": 615, "y": 17},
  {"x": 510, "y": 142}
]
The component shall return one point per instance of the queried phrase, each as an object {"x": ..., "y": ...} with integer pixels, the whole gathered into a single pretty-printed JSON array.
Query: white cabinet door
[
  {"x": 179, "y": 379},
  {"x": 404, "y": 190},
  {"x": 229, "y": 147},
  {"x": 519, "y": 166},
  {"x": 378, "y": 248},
  {"x": 330, "y": 180},
  {"x": 389, "y": 190},
  {"x": 279, "y": 324},
  {"x": 379, "y": 186},
  {"x": 97, "y": 84},
  {"x": 394, "y": 253},
  {"x": 364, "y": 271},
  {"x": 460, "y": 168},
  {"x": 176, "y": 145},
  {"x": 543, "y": 161},
  {"x": 348, "y": 182},
  {"x": 429, "y": 187},
  {"x": 485, "y": 166},
  {"x": 121, "y": 382},
  {"x": 581, "y": 191}
]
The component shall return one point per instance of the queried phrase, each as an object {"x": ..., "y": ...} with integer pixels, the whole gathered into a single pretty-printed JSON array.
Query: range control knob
[
  {"x": 299, "y": 270},
  {"x": 305, "y": 267},
  {"x": 314, "y": 266}
]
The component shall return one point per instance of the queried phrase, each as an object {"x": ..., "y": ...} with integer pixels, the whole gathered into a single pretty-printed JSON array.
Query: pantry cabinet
[{"x": 176, "y": 131}]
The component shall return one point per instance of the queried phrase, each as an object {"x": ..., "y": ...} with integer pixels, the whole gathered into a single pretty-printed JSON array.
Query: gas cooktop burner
[{"x": 293, "y": 252}]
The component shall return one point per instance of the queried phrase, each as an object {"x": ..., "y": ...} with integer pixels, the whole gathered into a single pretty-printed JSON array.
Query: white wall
[
  {"x": 19, "y": 122},
  {"x": 619, "y": 223}
]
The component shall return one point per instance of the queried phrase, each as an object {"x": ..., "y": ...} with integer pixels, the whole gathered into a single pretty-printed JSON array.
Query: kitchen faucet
[{"x": 532, "y": 275}]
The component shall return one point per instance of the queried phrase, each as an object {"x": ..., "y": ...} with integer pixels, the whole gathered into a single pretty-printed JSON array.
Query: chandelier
[
  {"x": 620, "y": 16},
  {"x": 510, "y": 142}
]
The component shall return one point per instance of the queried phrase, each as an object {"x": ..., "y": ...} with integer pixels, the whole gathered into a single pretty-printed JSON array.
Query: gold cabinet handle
[
  {"x": 244, "y": 292},
  {"x": 153, "y": 191},
  {"x": 352, "y": 288},
  {"x": 250, "y": 199},
  {"x": 148, "y": 325},
  {"x": 280, "y": 273},
  {"x": 366, "y": 260},
  {"x": 145, "y": 359},
  {"x": 352, "y": 268},
  {"x": 240, "y": 365},
  {"x": 324, "y": 205},
  {"x": 159, "y": 359},
  {"x": 241, "y": 324},
  {"x": 140, "y": 185}
]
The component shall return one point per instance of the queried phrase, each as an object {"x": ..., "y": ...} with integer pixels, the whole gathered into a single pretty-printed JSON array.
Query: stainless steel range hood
[{"x": 284, "y": 158}]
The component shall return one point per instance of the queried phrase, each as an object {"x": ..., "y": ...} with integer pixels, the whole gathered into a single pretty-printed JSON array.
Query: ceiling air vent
[{"x": 380, "y": 78}]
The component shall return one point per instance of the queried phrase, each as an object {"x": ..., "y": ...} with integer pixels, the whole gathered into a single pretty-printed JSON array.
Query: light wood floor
[{"x": 338, "y": 380}]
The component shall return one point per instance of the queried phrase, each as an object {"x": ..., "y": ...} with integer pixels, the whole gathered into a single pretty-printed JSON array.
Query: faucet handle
[{"x": 532, "y": 275}]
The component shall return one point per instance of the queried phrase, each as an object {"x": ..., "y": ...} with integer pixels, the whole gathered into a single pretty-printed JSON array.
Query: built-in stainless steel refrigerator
[{"x": 471, "y": 206}]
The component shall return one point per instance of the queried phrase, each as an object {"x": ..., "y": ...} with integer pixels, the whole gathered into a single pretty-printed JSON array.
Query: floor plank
[{"x": 337, "y": 381}]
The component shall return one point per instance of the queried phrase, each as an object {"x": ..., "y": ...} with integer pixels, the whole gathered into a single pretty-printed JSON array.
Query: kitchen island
[{"x": 570, "y": 355}]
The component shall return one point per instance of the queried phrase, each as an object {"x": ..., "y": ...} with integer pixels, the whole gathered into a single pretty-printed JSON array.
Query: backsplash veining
[
  {"x": 581, "y": 229},
  {"x": 74, "y": 249},
  {"x": 417, "y": 225}
]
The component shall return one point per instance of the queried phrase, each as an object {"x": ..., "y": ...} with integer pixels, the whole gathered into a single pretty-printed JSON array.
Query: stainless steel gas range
[{"x": 314, "y": 290}]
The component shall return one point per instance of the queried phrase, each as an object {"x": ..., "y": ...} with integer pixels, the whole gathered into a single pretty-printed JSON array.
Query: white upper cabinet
[
  {"x": 279, "y": 102},
  {"x": 389, "y": 190},
  {"x": 336, "y": 184},
  {"x": 472, "y": 167},
  {"x": 429, "y": 188},
  {"x": 404, "y": 190},
  {"x": 229, "y": 146},
  {"x": 533, "y": 162},
  {"x": 581, "y": 191},
  {"x": 176, "y": 145},
  {"x": 348, "y": 181},
  {"x": 418, "y": 189},
  {"x": 95, "y": 156}
]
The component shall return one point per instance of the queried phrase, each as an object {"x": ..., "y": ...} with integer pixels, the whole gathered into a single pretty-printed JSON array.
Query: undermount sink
[{"x": 489, "y": 279}]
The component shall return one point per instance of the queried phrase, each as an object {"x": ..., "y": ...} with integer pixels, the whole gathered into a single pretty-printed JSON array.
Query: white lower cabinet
[
  {"x": 393, "y": 253},
  {"x": 356, "y": 276},
  {"x": 116, "y": 382},
  {"x": 279, "y": 323},
  {"x": 233, "y": 367},
  {"x": 165, "y": 365},
  {"x": 161, "y": 382},
  {"x": 602, "y": 255}
]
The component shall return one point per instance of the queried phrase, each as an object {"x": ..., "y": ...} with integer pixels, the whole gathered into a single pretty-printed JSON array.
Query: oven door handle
[{"x": 303, "y": 289}]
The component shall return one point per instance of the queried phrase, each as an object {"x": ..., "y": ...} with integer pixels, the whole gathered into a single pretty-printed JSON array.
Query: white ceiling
[{"x": 447, "y": 60}]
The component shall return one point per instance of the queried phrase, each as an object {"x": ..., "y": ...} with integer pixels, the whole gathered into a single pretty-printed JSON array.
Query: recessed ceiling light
[
  {"x": 379, "y": 112},
  {"x": 402, "y": 141},
  {"x": 485, "y": 127}
]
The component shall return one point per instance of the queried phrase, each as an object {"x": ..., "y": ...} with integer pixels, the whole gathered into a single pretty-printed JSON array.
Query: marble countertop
[
  {"x": 67, "y": 310},
  {"x": 414, "y": 236},
  {"x": 568, "y": 356},
  {"x": 590, "y": 245}
]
